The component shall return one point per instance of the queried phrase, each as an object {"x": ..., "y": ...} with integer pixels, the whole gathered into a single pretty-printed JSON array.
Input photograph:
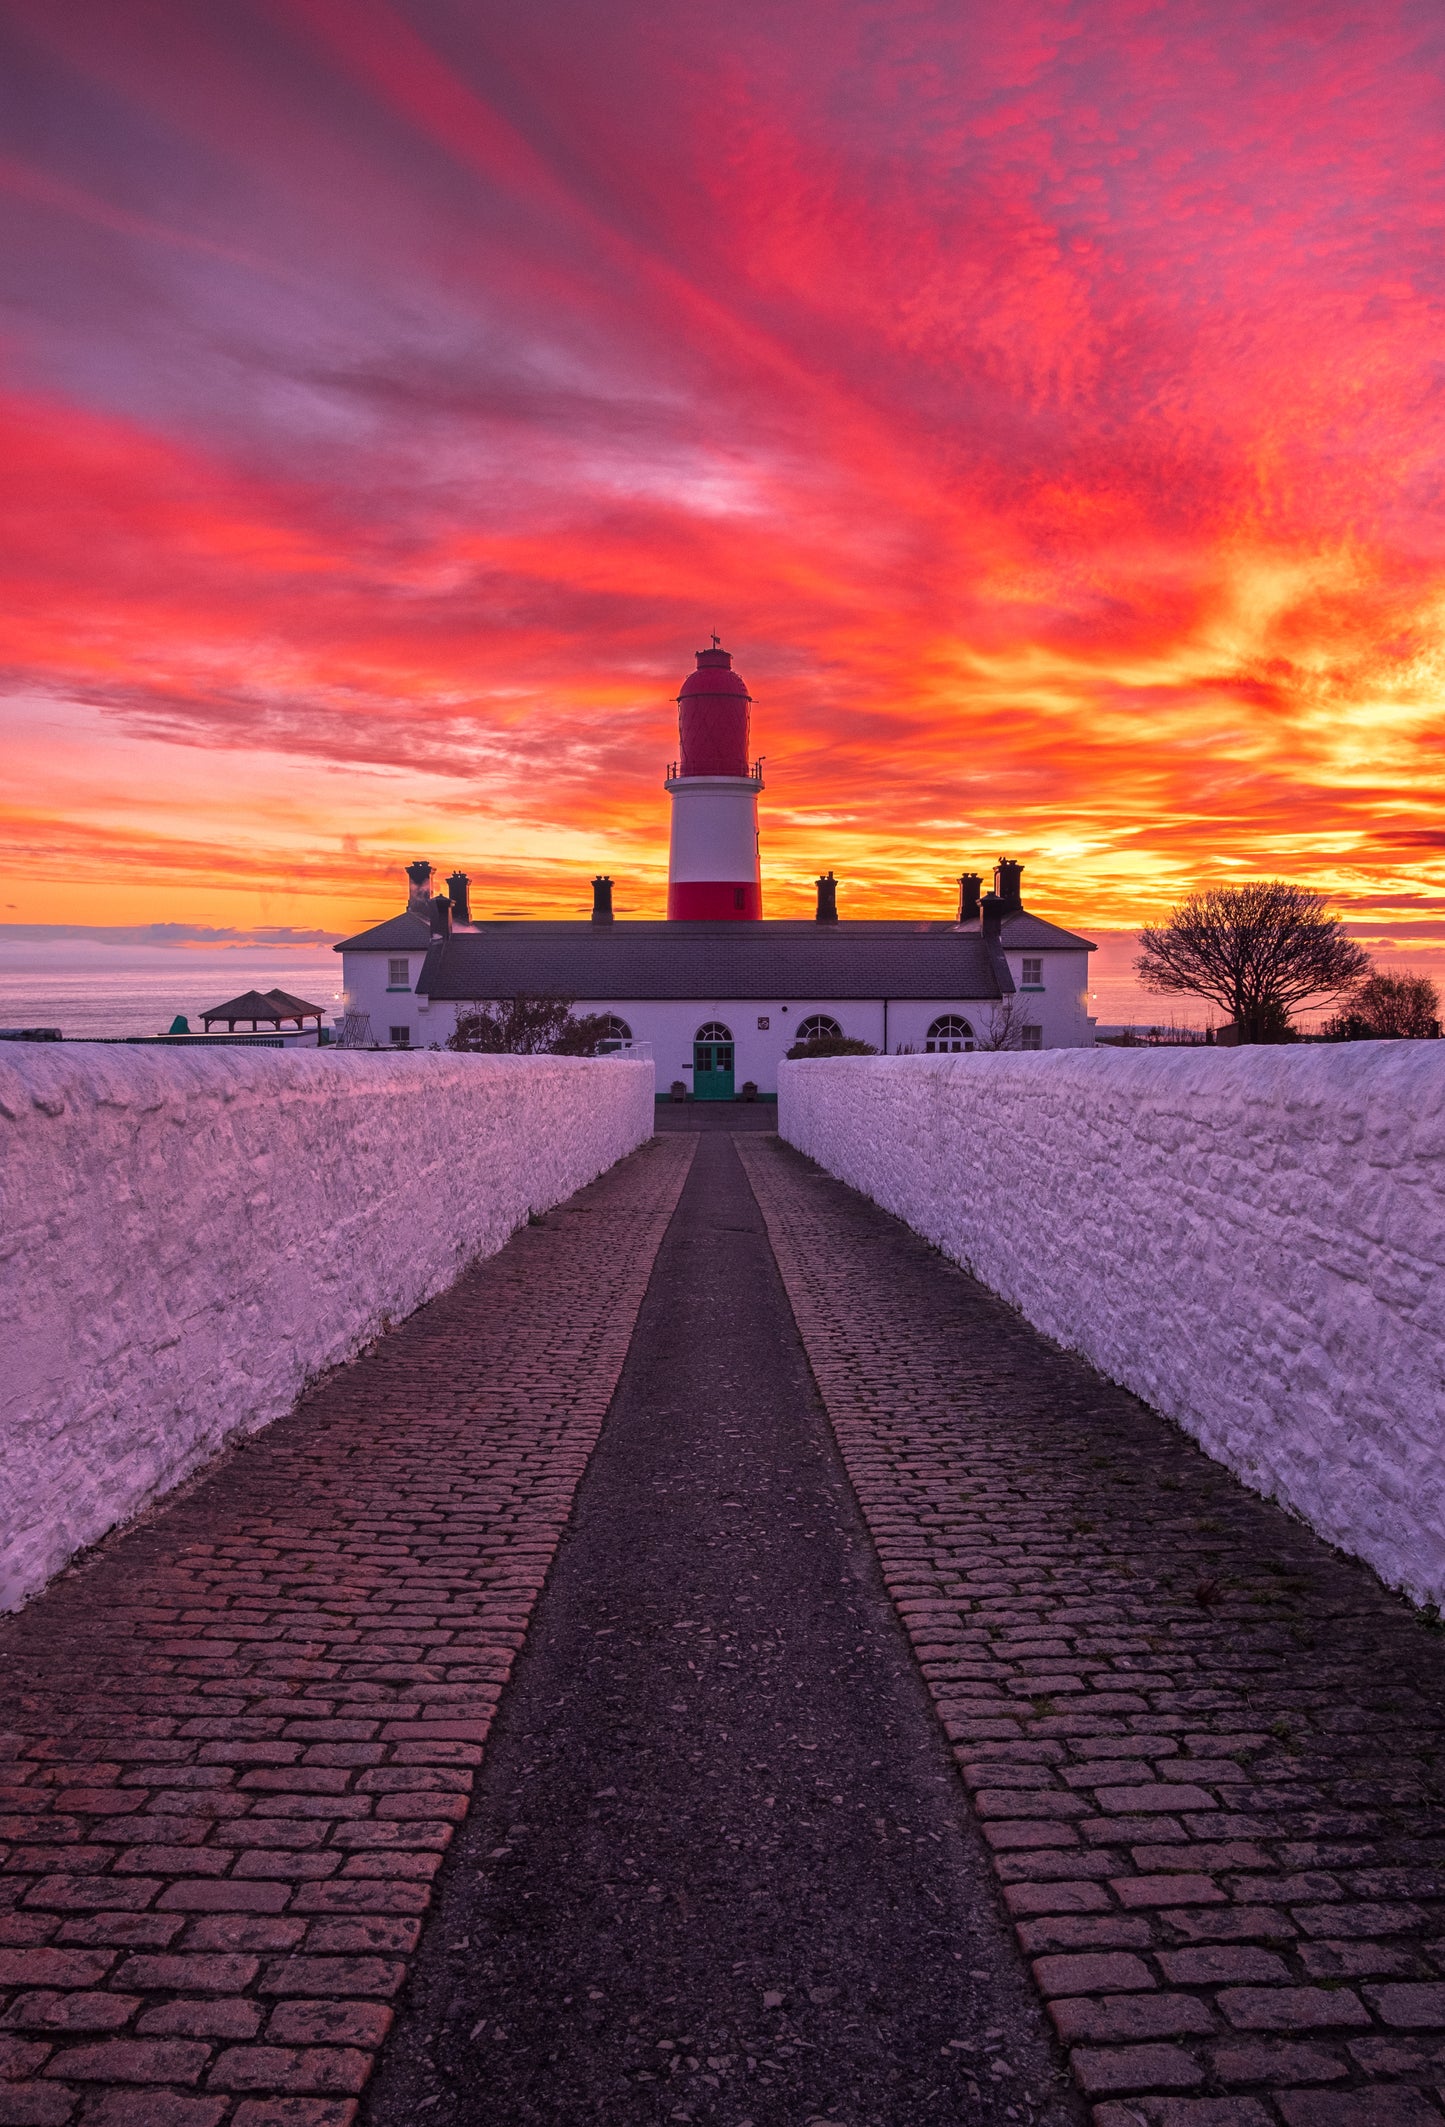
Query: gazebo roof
[
  {"x": 269, "y": 1006},
  {"x": 290, "y": 1005}
]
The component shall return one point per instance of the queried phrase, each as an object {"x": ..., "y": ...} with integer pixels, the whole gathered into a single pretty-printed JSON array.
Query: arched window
[
  {"x": 618, "y": 1036},
  {"x": 949, "y": 1035},
  {"x": 714, "y": 1031},
  {"x": 819, "y": 1027}
]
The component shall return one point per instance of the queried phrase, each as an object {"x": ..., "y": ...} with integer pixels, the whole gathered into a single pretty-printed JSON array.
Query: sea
[{"x": 88, "y": 987}]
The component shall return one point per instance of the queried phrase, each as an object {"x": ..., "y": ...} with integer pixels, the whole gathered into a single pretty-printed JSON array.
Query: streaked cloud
[{"x": 1045, "y": 400}]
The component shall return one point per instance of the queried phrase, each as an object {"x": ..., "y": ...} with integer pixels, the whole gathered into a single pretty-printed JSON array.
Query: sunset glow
[{"x": 1045, "y": 401}]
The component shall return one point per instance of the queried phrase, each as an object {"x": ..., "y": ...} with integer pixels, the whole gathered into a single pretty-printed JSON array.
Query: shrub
[
  {"x": 1388, "y": 1008},
  {"x": 528, "y": 1026},
  {"x": 831, "y": 1045}
]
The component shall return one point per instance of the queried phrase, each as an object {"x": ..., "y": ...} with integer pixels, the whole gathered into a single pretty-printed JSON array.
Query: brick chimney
[
  {"x": 439, "y": 909},
  {"x": 459, "y": 887},
  {"x": 827, "y": 910},
  {"x": 418, "y": 900},
  {"x": 969, "y": 886},
  {"x": 1008, "y": 885},
  {"x": 992, "y": 908},
  {"x": 602, "y": 900}
]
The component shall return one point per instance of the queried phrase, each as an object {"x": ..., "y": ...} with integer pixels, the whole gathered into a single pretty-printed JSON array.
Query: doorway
[{"x": 712, "y": 1062}]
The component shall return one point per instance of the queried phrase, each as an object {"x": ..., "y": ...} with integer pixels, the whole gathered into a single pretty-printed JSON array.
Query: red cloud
[{"x": 1044, "y": 400}]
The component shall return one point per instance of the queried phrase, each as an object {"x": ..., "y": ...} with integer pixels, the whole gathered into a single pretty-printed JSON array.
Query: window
[
  {"x": 618, "y": 1036},
  {"x": 740, "y": 899},
  {"x": 401, "y": 1037},
  {"x": 1031, "y": 1037},
  {"x": 819, "y": 1028},
  {"x": 1033, "y": 974},
  {"x": 712, "y": 1059},
  {"x": 398, "y": 975},
  {"x": 949, "y": 1036}
]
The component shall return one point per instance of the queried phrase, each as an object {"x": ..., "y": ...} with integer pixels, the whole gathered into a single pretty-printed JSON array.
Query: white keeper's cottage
[{"x": 719, "y": 991}]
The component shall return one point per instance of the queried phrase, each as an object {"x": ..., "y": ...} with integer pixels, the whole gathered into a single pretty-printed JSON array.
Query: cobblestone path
[
  {"x": 1207, "y": 1752},
  {"x": 237, "y": 1740},
  {"x": 718, "y": 1866}
]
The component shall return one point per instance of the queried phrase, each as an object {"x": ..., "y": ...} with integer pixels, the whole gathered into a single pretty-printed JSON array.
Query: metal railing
[
  {"x": 183, "y": 1041},
  {"x": 627, "y": 1052},
  {"x": 751, "y": 774}
]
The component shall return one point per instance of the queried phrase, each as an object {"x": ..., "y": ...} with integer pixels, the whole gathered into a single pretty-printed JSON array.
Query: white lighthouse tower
[{"x": 712, "y": 872}]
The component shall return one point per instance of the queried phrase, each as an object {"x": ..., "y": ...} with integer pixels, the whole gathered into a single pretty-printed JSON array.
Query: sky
[{"x": 1045, "y": 401}]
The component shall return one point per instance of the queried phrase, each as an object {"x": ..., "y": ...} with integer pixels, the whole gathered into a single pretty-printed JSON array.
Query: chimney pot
[
  {"x": 602, "y": 900},
  {"x": 827, "y": 899},
  {"x": 441, "y": 916},
  {"x": 992, "y": 908},
  {"x": 418, "y": 899},
  {"x": 969, "y": 885},
  {"x": 459, "y": 887},
  {"x": 1007, "y": 884}
]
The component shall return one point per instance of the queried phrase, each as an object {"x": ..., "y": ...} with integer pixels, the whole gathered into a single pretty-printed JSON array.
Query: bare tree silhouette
[{"x": 1259, "y": 951}]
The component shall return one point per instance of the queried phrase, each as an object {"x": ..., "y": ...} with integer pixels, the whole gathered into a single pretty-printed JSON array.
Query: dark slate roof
[
  {"x": 620, "y": 961},
  {"x": 1023, "y": 932},
  {"x": 405, "y": 933}
]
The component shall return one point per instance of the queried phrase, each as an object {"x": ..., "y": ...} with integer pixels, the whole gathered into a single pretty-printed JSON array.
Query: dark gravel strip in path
[
  {"x": 718, "y": 1866},
  {"x": 1207, "y": 1750}
]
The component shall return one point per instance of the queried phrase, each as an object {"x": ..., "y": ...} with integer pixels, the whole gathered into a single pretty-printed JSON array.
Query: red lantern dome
[{"x": 713, "y": 719}]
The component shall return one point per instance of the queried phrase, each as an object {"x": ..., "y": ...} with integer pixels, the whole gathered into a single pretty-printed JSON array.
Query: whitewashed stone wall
[
  {"x": 1252, "y": 1240},
  {"x": 186, "y": 1237}
]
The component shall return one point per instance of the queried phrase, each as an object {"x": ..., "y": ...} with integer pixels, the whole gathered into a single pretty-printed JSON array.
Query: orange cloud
[{"x": 1044, "y": 401}]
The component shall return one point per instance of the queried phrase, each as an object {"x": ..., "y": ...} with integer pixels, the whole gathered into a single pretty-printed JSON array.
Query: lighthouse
[
  {"x": 712, "y": 872},
  {"x": 718, "y": 994}
]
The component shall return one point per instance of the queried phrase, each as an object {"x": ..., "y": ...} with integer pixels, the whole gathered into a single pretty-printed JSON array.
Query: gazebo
[{"x": 270, "y": 1008}]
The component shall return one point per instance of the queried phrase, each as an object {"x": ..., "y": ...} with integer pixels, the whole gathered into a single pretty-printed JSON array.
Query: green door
[{"x": 712, "y": 1063}]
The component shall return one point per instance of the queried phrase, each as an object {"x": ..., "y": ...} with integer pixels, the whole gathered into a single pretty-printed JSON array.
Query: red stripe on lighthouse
[{"x": 714, "y": 901}]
